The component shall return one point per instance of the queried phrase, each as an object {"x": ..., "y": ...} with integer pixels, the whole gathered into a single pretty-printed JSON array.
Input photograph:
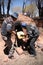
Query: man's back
[
  {"x": 4, "y": 25},
  {"x": 32, "y": 30}
]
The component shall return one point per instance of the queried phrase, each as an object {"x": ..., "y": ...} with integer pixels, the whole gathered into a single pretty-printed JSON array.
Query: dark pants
[
  {"x": 31, "y": 43},
  {"x": 8, "y": 43}
]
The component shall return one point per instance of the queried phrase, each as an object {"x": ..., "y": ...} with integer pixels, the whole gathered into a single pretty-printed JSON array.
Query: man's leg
[
  {"x": 32, "y": 46},
  {"x": 9, "y": 43},
  {"x": 11, "y": 51}
]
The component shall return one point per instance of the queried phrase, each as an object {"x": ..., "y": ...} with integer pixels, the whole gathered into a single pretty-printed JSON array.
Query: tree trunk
[
  {"x": 23, "y": 9},
  {"x": 0, "y": 7},
  {"x": 8, "y": 7},
  {"x": 39, "y": 7},
  {"x": 3, "y": 8}
]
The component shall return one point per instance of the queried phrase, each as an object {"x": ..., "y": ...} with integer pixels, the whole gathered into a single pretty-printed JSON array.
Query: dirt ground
[{"x": 24, "y": 59}]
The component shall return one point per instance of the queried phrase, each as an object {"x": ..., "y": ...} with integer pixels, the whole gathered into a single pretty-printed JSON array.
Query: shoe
[
  {"x": 10, "y": 56},
  {"x": 33, "y": 55}
]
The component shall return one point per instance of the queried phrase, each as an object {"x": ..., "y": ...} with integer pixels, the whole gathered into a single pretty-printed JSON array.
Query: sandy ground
[{"x": 24, "y": 59}]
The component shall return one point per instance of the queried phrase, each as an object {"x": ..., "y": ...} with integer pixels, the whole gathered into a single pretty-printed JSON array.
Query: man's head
[
  {"x": 14, "y": 16},
  {"x": 24, "y": 28},
  {"x": 24, "y": 25}
]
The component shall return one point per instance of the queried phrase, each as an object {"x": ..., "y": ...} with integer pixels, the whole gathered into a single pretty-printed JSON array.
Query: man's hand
[
  {"x": 13, "y": 32},
  {"x": 4, "y": 38}
]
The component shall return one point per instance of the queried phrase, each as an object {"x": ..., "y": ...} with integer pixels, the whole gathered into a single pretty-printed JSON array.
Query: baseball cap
[
  {"x": 24, "y": 24},
  {"x": 15, "y": 15},
  {"x": 9, "y": 27}
]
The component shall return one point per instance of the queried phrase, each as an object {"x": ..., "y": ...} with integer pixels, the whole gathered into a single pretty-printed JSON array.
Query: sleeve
[
  {"x": 36, "y": 32},
  {"x": 32, "y": 30},
  {"x": 3, "y": 28},
  {"x": 29, "y": 30}
]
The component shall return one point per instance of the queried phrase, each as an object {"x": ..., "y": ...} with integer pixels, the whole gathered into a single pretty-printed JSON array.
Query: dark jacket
[
  {"x": 32, "y": 30},
  {"x": 4, "y": 26}
]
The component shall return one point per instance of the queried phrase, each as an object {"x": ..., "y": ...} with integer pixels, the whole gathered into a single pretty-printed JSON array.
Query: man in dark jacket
[
  {"x": 7, "y": 28},
  {"x": 33, "y": 34},
  {"x": 29, "y": 36}
]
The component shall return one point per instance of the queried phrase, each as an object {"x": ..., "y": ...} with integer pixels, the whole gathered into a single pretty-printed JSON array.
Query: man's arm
[{"x": 3, "y": 28}]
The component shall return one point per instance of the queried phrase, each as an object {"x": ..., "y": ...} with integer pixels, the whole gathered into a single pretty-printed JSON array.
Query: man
[
  {"x": 6, "y": 31},
  {"x": 29, "y": 36}
]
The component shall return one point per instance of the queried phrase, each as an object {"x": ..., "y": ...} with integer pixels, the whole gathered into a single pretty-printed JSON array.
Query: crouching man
[
  {"x": 30, "y": 37},
  {"x": 6, "y": 31}
]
